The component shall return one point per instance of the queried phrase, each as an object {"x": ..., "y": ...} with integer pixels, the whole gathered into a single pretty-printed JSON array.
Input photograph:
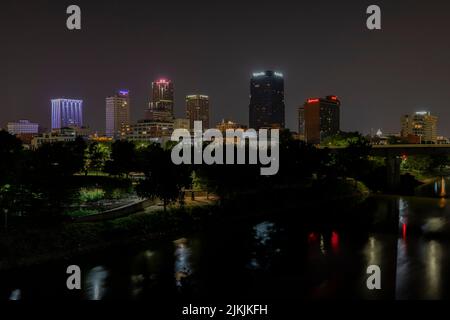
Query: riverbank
[
  {"x": 29, "y": 246},
  {"x": 40, "y": 244}
]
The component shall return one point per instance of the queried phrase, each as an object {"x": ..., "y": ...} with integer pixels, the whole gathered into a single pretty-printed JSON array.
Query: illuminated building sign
[{"x": 259, "y": 74}]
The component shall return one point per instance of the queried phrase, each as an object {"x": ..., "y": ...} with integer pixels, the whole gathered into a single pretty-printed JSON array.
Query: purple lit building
[{"x": 67, "y": 113}]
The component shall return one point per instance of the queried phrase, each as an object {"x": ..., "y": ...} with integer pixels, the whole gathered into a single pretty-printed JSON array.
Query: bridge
[{"x": 393, "y": 153}]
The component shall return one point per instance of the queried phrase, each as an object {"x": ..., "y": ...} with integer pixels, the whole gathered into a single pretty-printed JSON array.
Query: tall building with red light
[
  {"x": 321, "y": 118},
  {"x": 266, "y": 109},
  {"x": 160, "y": 107}
]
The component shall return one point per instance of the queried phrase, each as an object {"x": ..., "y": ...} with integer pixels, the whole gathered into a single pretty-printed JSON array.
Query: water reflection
[
  {"x": 265, "y": 246},
  {"x": 264, "y": 231},
  {"x": 278, "y": 259},
  {"x": 95, "y": 283},
  {"x": 442, "y": 192},
  {"x": 434, "y": 225},
  {"x": 433, "y": 268},
  {"x": 335, "y": 242},
  {"x": 373, "y": 251},
  {"x": 145, "y": 268},
  {"x": 183, "y": 267},
  {"x": 438, "y": 188},
  {"x": 403, "y": 212},
  {"x": 442, "y": 203},
  {"x": 15, "y": 295}
]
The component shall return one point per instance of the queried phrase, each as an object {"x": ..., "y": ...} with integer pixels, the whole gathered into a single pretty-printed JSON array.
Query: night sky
[{"x": 212, "y": 47}]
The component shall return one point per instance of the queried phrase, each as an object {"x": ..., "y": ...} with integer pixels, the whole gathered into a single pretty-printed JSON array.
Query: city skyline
[
  {"x": 182, "y": 113},
  {"x": 185, "y": 154},
  {"x": 219, "y": 66}
]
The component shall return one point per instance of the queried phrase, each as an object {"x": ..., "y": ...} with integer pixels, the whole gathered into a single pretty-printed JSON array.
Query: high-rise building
[
  {"x": 321, "y": 118},
  {"x": 23, "y": 127},
  {"x": 420, "y": 124},
  {"x": 266, "y": 109},
  {"x": 197, "y": 109},
  {"x": 67, "y": 113},
  {"x": 160, "y": 107},
  {"x": 117, "y": 114},
  {"x": 301, "y": 122}
]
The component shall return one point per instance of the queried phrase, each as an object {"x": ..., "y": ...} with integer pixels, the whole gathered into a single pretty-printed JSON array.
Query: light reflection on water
[
  {"x": 317, "y": 263},
  {"x": 95, "y": 283},
  {"x": 15, "y": 295},
  {"x": 265, "y": 249},
  {"x": 144, "y": 269},
  {"x": 373, "y": 251},
  {"x": 433, "y": 266},
  {"x": 437, "y": 188},
  {"x": 263, "y": 231},
  {"x": 183, "y": 267}
]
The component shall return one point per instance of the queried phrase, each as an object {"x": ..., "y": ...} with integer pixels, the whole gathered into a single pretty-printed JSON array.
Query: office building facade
[
  {"x": 117, "y": 114},
  {"x": 321, "y": 118},
  {"x": 22, "y": 127},
  {"x": 198, "y": 109},
  {"x": 66, "y": 113},
  {"x": 266, "y": 109},
  {"x": 422, "y": 125}
]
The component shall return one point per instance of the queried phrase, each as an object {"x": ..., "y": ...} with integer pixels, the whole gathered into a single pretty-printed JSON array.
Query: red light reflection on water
[
  {"x": 335, "y": 241},
  {"x": 312, "y": 237}
]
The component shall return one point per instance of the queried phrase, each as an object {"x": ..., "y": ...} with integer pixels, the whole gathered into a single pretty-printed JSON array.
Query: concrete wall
[{"x": 117, "y": 212}]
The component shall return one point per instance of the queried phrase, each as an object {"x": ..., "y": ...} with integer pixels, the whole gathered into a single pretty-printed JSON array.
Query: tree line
[{"x": 35, "y": 183}]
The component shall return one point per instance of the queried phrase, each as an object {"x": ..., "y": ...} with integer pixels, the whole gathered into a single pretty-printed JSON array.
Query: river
[{"x": 266, "y": 259}]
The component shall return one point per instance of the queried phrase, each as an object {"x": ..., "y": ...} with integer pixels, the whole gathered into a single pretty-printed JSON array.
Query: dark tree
[
  {"x": 353, "y": 161},
  {"x": 123, "y": 158},
  {"x": 11, "y": 153},
  {"x": 163, "y": 179}
]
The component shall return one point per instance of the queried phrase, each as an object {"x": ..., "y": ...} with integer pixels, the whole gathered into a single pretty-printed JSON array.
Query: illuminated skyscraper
[
  {"x": 197, "y": 109},
  {"x": 266, "y": 108},
  {"x": 321, "y": 118},
  {"x": 160, "y": 107},
  {"x": 67, "y": 113},
  {"x": 117, "y": 114}
]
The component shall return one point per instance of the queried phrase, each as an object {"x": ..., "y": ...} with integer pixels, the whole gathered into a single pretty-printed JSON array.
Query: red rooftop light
[{"x": 313, "y": 100}]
